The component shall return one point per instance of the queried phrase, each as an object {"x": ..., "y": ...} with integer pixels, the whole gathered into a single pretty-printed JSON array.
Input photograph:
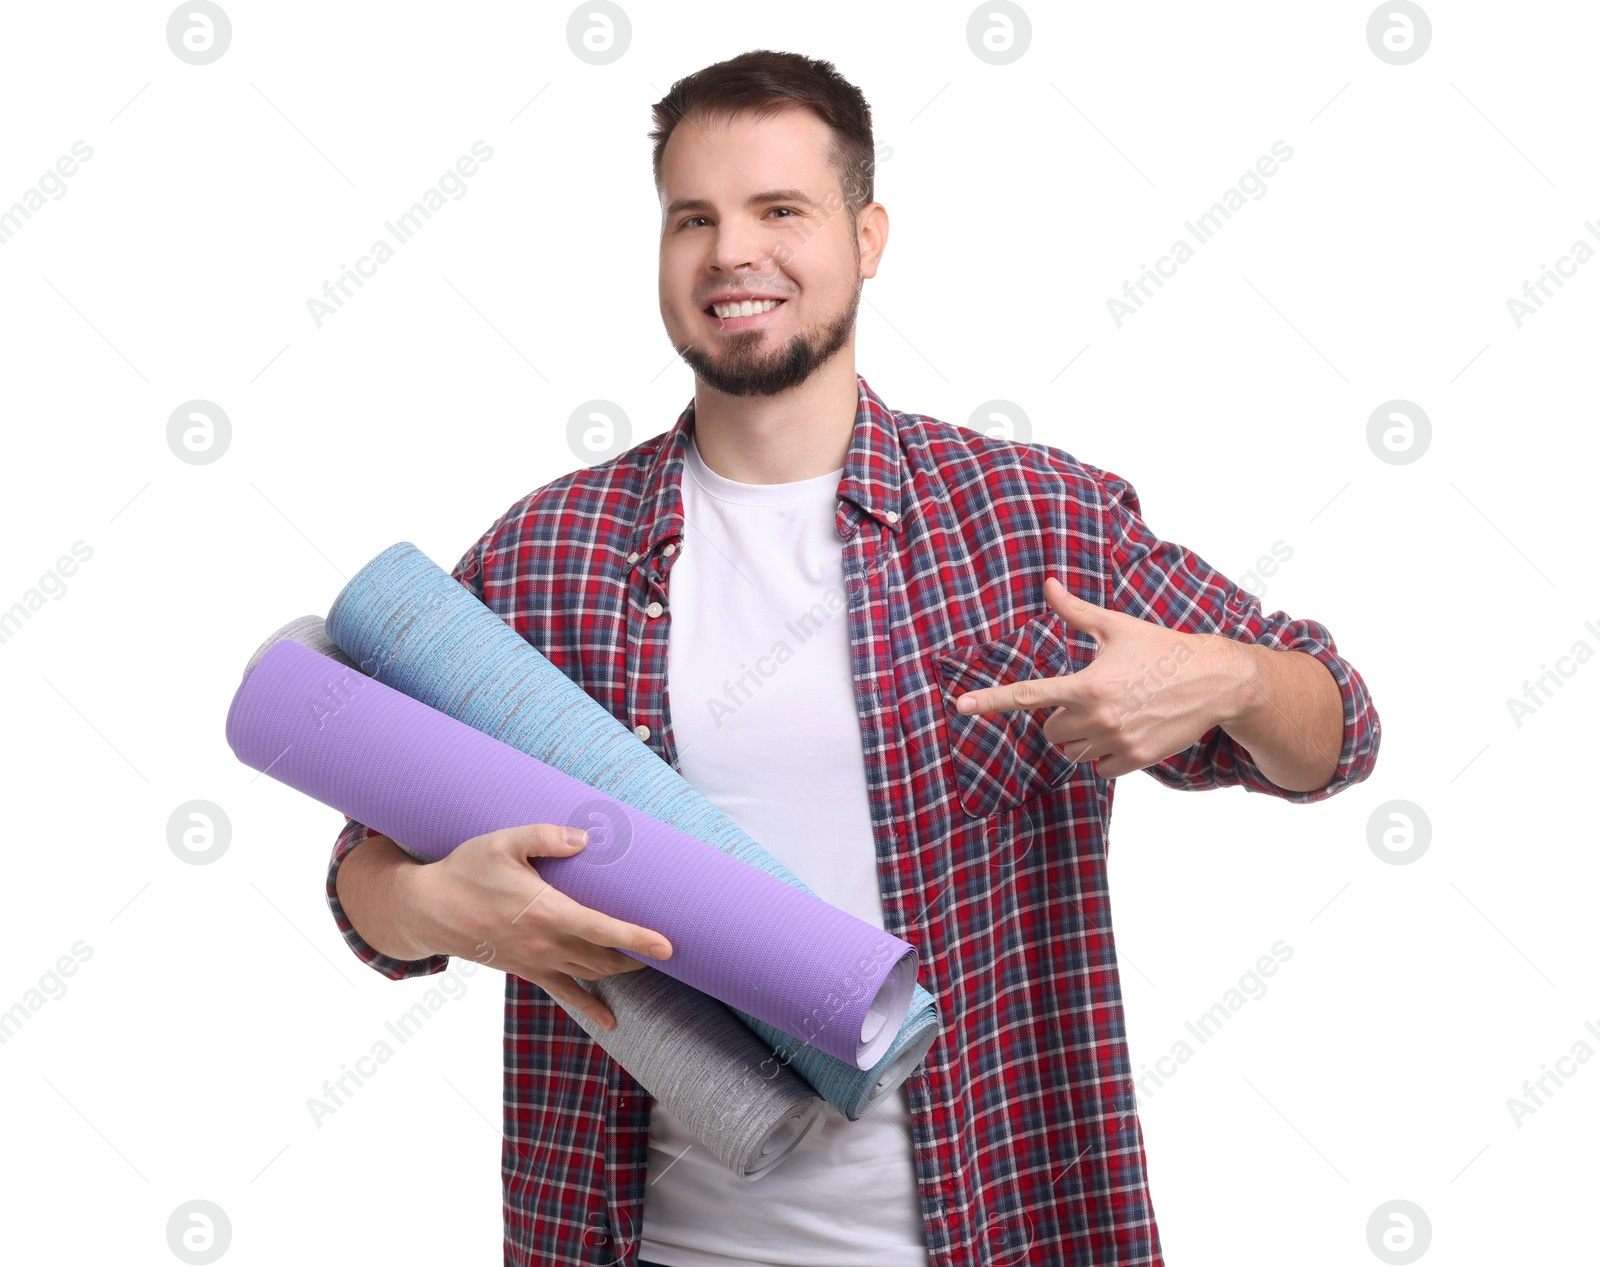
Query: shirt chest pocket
[{"x": 999, "y": 760}]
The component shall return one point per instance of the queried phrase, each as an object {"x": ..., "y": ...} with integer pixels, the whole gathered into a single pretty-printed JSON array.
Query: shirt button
[
  {"x": 633, "y": 556},
  {"x": 893, "y": 516},
  {"x": 642, "y": 731},
  {"x": 654, "y": 610},
  {"x": 669, "y": 550}
]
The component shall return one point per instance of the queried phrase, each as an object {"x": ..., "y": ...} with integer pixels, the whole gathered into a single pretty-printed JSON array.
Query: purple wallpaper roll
[{"x": 430, "y": 782}]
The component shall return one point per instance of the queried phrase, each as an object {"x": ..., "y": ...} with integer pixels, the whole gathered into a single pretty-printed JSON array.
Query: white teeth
[{"x": 746, "y": 309}]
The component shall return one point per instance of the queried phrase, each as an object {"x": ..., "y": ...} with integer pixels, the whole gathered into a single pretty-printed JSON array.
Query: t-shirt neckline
[{"x": 724, "y": 489}]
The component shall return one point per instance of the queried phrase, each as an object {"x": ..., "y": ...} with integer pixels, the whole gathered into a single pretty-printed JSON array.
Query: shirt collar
[{"x": 873, "y": 482}]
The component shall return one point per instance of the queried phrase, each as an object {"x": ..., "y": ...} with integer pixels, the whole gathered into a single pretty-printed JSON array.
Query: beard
[{"x": 744, "y": 369}]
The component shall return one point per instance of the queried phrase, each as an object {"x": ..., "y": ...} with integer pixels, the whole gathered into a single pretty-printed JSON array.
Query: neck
[{"x": 800, "y": 434}]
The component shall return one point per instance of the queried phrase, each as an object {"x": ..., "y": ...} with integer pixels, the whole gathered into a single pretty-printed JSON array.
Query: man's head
[{"x": 764, "y": 168}]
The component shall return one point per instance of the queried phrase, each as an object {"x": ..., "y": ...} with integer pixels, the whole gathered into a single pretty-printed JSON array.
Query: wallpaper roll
[
  {"x": 418, "y": 775},
  {"x": 707, "y": 1067},
  {"x": 308, "y": 631},
  {"x": 689, "y": 1051},
  {"x": 427, "y": 635}
]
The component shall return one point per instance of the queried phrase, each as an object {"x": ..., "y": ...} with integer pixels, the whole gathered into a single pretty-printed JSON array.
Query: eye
[{"x": 688, "y": 223}]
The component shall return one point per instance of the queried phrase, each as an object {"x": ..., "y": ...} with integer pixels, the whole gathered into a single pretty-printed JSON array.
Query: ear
[{"x": 872, "y": 232}]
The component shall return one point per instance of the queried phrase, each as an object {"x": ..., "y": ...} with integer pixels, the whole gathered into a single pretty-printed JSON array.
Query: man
[{"x": 909, "y": 659}]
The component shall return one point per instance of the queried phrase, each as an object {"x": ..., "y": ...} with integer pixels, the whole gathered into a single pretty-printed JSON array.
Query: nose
[{"x": 740, "y": 247}]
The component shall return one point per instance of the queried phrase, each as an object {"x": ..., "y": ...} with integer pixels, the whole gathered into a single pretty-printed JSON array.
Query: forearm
[
  {"x": 373, "y": 886},
  {"x": 1288, "y": 715}
]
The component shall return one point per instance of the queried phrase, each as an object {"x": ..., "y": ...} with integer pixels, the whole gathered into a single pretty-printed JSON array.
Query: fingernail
[
  {"x": 660, "y": 951},
  {"x": 576, "y": 836}
]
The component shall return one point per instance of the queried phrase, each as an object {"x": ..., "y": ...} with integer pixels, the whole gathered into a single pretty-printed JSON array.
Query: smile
[{"x": 745, "y": 315}]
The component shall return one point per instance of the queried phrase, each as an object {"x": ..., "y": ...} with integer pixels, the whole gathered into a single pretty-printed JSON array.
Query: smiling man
[{"x": 909, "y": 659}]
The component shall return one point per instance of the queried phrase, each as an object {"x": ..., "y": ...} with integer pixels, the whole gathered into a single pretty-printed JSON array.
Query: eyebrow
[{"x": 680, "y": 205}]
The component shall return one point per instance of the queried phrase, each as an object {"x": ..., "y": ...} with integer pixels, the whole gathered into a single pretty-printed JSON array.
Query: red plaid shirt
[{"x": 991, "y": 843}]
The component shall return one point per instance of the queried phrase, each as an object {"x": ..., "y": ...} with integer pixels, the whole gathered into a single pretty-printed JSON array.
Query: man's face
[{"x": 795, "y": 243}]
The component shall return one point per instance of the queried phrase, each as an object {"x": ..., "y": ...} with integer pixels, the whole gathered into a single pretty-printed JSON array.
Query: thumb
[{"x": 1079, "y": 613}]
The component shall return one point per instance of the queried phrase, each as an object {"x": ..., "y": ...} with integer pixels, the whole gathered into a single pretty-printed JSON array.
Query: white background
[{"x": 1377, "y": 266}]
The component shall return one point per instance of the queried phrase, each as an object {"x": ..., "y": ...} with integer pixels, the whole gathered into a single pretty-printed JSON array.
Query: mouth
[{"x": 742, "y": 322}]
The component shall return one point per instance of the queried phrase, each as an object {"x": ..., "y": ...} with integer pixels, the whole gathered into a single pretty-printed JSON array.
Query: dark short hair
[{"x": 762, "y": 83}]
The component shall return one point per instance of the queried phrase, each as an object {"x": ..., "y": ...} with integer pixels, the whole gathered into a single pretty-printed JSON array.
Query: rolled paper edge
[
  {"x": 899, "y": 1068},
  {"x": 901, "y": 980},
  {"x": 809, "y": 1111}
]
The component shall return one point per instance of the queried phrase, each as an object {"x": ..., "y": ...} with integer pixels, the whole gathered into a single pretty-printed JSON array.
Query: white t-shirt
[{"x": 763, "y": 710}]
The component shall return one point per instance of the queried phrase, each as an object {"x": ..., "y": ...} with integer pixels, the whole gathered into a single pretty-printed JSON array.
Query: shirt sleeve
[
  {"x": 469, "y": 571},
  {"x": 1173, "y": 586}
]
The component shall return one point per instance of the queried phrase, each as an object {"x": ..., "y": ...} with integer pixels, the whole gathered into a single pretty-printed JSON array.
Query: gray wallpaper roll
[
  {"x": 308, "y": 631},
  {"x": 715, "y": 1074}
]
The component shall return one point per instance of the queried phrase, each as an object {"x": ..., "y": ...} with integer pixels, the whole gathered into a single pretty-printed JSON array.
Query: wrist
[
  {"x": 410, "y": 885},
  {"x": 1245, "y": 676}
]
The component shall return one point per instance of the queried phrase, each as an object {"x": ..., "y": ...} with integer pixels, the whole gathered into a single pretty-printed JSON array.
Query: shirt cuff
[
  {"x": 395, "y": 969},
  {"x": 1358, "y": 750}
]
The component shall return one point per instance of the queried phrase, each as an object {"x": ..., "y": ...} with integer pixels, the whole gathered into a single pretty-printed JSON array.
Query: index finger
[
  {"x": 1028, "y": 693},
  {"x": 600, "y": 929}
]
